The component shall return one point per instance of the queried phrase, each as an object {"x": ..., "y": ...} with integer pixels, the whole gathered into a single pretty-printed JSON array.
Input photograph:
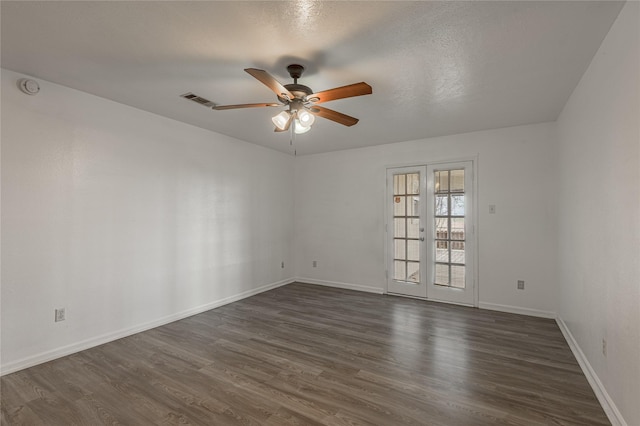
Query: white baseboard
[
  {"x": 609, "y": 407},
  {"x": 346, "y": 286},
  {"x": 109, "y": 337},
  {"x": 517, "y": 310}
]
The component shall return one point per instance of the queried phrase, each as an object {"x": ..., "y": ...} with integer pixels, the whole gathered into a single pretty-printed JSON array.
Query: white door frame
[{"x": 473, "y": 269}]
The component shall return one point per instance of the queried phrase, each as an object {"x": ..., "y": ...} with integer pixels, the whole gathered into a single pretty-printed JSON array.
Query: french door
[
  {"x": 430, "y": 232},
  {"x": 406, "y": 231}
]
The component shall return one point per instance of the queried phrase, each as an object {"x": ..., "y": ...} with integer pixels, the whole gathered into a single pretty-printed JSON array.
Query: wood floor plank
[{"x": 307, "y": 355}]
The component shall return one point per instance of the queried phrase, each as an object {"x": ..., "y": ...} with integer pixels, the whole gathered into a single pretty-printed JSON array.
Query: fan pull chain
[{"x": 293, "y": 136}]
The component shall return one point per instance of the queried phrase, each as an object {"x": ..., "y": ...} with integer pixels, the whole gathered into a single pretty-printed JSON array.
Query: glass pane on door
[
  {"x": 406, "y": 227},
  {"x": 449, "y": 228}
]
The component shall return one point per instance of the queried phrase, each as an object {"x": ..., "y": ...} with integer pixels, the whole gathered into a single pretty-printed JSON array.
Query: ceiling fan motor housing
[{"x": 299, "y": 91}]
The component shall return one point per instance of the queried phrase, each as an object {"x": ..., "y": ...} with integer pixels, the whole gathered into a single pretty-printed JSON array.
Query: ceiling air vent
[{"x": 198, "y": 99}]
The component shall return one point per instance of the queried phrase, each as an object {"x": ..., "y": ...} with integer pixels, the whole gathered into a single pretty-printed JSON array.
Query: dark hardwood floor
[{"x": 306, "y": 355}]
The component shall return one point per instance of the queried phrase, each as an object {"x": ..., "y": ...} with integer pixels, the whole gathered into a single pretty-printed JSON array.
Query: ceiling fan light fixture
[
  {"x": 281, "y": 120},
  {"x": 305, "y": 118},
  {"x": 299, "y": 129}
]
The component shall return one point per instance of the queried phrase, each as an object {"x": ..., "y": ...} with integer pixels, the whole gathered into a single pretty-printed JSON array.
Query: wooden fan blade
[
  {"x": 356, "y": 89},
  {"x": 268, "y": 80},
  {"x": 221, "y": 107},
  {"x": 332, "y": 115}
]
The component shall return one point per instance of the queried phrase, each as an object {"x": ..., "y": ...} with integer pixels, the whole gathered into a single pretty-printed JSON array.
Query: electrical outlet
[
  {"x": 59, "y": 315},
  {"x": 315, "y": 263},
  {"x": 520, "y": 285},
  {"x": 492, "y": 209},
  {"x": 282, "y": 264},
  {"x": 604, "y": 347}
]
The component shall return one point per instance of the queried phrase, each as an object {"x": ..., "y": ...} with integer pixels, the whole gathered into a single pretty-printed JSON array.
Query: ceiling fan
[{"x": 302, "y": 101}]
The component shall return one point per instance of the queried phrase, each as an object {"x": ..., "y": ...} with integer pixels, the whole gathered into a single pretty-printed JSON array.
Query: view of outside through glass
[
  {"x": 406, "y": 227},
  {"x": 449, "y": 228}
]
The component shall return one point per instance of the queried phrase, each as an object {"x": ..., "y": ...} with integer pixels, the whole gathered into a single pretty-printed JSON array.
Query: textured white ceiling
[{"x": 436, "y": 68}]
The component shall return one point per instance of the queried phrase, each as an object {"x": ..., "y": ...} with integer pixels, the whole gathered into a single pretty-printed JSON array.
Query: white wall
[
  {"x": 599, "y": 213},
  {"x": 127, "y": 219},
  {"x": 339, "y": 213}
]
